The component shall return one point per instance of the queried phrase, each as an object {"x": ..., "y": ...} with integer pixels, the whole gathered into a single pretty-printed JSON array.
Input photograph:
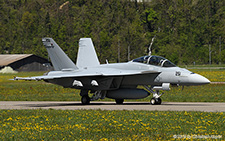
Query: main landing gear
[
  {"x": 85, "y": 100},
  {"x": 119, "y": 101}
]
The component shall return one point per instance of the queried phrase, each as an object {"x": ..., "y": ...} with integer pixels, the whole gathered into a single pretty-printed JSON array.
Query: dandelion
[{"x": 9, "y": 119}]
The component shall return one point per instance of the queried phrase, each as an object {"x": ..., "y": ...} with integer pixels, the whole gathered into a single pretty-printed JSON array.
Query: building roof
[{"x": 6, "y": 59}]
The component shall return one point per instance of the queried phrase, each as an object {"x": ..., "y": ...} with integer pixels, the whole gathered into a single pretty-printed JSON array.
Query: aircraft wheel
[
  {"x": 119, "y": 101},
  {"x": 159, "y": 101},
  {"x": 85, "y": 100},
  {"x": 156, "y": 101},
  {"x": 153, "y": 101}
]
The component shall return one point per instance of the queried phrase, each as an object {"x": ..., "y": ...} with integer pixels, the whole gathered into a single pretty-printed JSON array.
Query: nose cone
[{"x": 197, "y": 79}]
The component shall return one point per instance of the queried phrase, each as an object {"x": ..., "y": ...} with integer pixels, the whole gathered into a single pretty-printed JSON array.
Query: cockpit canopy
[{"x": 154, "y": 60}]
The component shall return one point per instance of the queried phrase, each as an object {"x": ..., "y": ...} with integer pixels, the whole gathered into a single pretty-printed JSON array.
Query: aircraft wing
[
  {"x": 86, "y": 73},
  {"x": 57, "y": 75}
]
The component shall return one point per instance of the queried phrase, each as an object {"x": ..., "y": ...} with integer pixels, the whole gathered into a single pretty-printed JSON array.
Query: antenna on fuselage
[{"x": 149, "y": 48}]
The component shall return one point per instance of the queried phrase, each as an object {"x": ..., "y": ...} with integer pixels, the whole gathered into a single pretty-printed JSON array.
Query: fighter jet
[{"x": 117, "y": 81}]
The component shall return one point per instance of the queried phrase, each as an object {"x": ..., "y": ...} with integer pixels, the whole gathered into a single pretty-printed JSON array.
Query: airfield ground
[
  {"x": 99, "y": 105},
  {"x": 51, "y": 124},
  {"x": 112, "y": 125}
]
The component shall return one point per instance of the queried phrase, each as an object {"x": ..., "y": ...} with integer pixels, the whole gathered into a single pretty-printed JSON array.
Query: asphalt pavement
[{"x": 102, "y": 105}]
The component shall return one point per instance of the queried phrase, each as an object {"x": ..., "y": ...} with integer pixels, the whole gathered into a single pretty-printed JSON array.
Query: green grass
[
  {"x": 33, "y": 90},
  {"x": 41, "y": 91},
  {"x": 107, "y": 125},
  {"x": 36, "y": 91},
  {"x": 205, "y": 93},
  {"x": 217, "y": 75},
  {"x": 205, "y": 66}
]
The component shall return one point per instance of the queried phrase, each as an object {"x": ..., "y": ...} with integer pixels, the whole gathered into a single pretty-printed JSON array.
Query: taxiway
[{"x": 76, "y": 105}]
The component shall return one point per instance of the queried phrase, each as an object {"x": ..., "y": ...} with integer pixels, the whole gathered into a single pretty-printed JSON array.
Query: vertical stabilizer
[
  {"x": 86, "y": 56},
  {"x": 58, "y": 58}
]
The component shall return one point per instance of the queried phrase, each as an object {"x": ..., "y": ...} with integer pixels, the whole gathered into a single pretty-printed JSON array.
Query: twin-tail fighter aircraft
[{"x": 118, "y": 81}]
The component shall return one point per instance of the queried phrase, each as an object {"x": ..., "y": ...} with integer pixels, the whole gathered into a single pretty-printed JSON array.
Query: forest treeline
[{"x": 185, "y": 31}]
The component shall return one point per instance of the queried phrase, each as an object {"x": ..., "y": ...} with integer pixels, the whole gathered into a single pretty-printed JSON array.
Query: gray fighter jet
[{"x": 118, "y": 81}]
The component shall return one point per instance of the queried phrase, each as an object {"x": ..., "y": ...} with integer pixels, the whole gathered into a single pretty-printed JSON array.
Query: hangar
[{"x": 25, "y": 62}]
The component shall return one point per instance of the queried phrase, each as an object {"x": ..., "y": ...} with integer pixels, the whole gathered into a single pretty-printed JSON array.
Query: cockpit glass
[
  {"x": 154, "y": 60},
  {"x": 167, "y": 63},
  {"x": 142, "y": 59}
]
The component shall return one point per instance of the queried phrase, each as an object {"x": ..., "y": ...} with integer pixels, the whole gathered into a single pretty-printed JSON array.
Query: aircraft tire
[
  {"x": 153, "y": 101},
  {"x": 159, "y": 101},
  {"x": 85, "y": 100},
  {"x": 156, "y": 101},
  {"x": 119, "y": 101}
]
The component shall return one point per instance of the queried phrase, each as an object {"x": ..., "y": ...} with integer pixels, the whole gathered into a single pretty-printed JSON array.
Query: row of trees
[{"x": 185, "y": 31}]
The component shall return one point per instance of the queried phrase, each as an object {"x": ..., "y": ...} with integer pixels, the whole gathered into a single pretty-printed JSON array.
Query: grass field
[
  {"x": 211, "y": 74},
  {"x": 109, "y": 125},
  {"x": 41, "y": 91}
]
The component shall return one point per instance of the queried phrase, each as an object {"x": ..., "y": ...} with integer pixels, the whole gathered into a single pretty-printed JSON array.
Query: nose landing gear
[{"x": 155, "y": 101}]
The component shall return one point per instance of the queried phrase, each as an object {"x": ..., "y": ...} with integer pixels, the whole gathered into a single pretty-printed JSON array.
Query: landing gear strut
[
  {"x": 85, "y": 99},
  {"x": 156, "y": 100}
]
